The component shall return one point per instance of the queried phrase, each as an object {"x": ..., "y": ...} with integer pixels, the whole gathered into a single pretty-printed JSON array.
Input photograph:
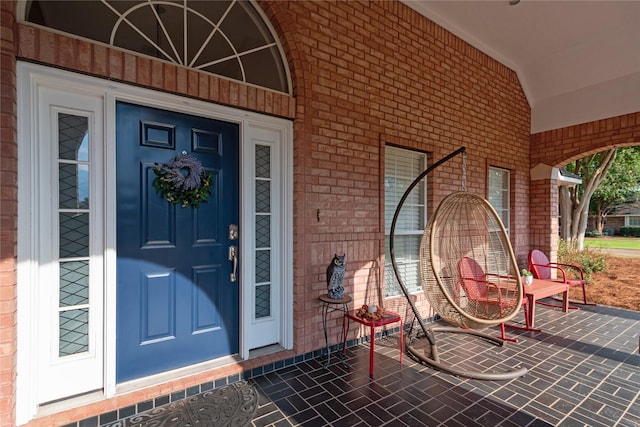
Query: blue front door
[{"x": 176, "y": 302}]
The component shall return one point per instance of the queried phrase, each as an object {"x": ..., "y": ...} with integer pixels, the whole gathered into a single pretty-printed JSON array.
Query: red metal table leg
[
  {"x": 401, "y": 340},
  {"x": 532, "y": 311},
  {"x": 371, "y": 348}
]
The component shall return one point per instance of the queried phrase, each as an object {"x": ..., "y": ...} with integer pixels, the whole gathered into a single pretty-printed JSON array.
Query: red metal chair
[
  {"x": 569, "y": 274},
  {"x": 486, "y": 291},
  {"x": 475, "y": 285}
]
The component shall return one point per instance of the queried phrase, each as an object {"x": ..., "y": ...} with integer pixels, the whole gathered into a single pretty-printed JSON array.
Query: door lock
[
  {"x": 233, "y": 232},
  {"x": 233, "y": 257}
]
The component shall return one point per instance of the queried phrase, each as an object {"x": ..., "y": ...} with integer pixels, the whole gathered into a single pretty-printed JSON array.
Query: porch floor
[{"x": 584, "y": 369}]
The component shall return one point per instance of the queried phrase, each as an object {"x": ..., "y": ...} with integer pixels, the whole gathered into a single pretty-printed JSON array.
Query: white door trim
[{"x": 31, "y": 74}]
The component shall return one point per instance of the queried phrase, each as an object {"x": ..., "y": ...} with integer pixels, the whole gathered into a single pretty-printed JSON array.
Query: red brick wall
[
  {"x": 364, "y": 74},
  {"x": 376, "y": 73},
  {"x": 561, "y": 146},
  {"x": 8, "y": 214}
]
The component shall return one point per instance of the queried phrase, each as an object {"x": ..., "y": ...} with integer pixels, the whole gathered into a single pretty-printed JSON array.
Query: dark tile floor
[{"x": 584, "y": 370}]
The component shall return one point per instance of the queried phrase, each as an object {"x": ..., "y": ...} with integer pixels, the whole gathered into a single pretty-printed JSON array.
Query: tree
[
  {"x": 621, "y": 184},
  {"x": 574, "y": 201}
]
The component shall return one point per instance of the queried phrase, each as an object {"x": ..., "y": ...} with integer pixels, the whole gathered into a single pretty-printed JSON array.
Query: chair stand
[
  {"x": 527, "y": 327},
  {"x": 434, "y": 360}
]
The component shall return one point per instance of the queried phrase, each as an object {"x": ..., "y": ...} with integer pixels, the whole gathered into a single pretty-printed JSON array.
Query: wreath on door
[{"x": 182, "y": 180}]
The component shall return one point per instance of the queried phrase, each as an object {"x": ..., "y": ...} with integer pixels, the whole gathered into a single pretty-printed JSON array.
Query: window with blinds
[
  {"x": 400, "y": 169},
  {"x": 632, "y": 221},
  {"x": 499, "y": 193}
]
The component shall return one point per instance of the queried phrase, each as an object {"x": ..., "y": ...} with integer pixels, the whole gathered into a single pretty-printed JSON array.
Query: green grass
[{"x": 612, "y": 242}]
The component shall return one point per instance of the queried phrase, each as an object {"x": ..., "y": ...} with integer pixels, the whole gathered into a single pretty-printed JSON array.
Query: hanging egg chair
[
  {"x": 468, "y": 273},
  {"x": 467, "y": 266}
]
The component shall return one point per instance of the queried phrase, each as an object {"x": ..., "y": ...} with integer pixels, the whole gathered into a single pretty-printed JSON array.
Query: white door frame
[{"x": 29, "y": 75}]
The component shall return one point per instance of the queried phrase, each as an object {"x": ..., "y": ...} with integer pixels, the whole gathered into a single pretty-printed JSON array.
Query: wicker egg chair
[{"x": 468, "y": 272}]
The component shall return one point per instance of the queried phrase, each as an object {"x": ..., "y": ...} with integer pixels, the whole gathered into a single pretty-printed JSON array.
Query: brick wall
[
  {"x": 365, "y": 74},
  {"x": 8, "y": 214},
  {"x": 561, "y": 146},
  {"x": 376, "y": 73}
]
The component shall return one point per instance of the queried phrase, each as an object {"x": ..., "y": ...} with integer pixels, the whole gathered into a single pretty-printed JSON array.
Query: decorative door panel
[{"x": 176, "y": 302}]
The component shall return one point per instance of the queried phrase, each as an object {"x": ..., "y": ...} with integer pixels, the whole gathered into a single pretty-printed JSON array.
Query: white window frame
[{"x": 390, "y": 203}]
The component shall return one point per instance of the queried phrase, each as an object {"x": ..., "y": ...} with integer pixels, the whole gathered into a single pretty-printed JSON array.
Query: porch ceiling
[{"x": 577, "y": 61}]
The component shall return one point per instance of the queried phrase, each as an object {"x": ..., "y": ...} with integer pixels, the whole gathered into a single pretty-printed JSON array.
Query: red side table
[{"x": 388, "y": 318}]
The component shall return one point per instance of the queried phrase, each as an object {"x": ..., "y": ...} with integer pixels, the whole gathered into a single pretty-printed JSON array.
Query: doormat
[{"x": 233, "y": 405}]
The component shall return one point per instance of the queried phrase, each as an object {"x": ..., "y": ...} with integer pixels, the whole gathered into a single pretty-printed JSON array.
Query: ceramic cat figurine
[{"x": 335, "y": 273}]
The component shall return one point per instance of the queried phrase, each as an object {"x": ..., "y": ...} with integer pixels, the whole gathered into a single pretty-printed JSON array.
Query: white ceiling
[{"x": 577, "y": 61}]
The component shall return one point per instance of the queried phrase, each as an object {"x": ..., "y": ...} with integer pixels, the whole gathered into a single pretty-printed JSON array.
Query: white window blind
[
  {"x": 499, "y": 193},
  {"x": 633, "y": 221},
  {"x": 401, "y": 168}
]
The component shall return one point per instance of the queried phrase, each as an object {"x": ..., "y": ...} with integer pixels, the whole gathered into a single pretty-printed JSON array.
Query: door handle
[{"x": 233, "y": 257}]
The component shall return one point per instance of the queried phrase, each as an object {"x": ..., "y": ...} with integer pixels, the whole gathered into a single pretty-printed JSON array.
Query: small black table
[{"x": 330, "y": 305}]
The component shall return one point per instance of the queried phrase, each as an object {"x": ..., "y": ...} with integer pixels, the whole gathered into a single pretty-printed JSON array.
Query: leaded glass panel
[
  {"x": 74, "y": 332},
  {"x": 73, "y": 143},
  {"x": 263, "y": 196},
  {"x": 263, "y": 231},
  {"x": 74, "y": 186},
  {"x": 74, "y": 283},
  {"x": 263, "y": 161},
  {"x": 74, "y": 234},
  {"x": 73, "y": 238},
  {"x": 263, "y": 266},
  {"x": 263, "y": 301}
]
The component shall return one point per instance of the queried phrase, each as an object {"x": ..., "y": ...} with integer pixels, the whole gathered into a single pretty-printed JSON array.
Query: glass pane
[
  {"x": 242, "y": 47},
  {"x": 498, "y": 193},
  {"x": 263, "y": 196},
  {"x": 74, "y": 283},
  {"x": 74, "y": 186},
  {"x": 263, "y": 161},
  {"x": 264, "y": 68},
  {"x": 406, "y": 250},
  {"x": 74, "y": 332},
  {"x": 74, "y": 234},
  {"x": 263, "y": 301},
  {"x": 73, "y": 137},
  {"x": 87, "y": 18},
  {"x": 263, "y": 266},
  {"x": 263, "y": 231},
  {"x": 411, "y": 218},
  {"x": 401, "y": 168}
]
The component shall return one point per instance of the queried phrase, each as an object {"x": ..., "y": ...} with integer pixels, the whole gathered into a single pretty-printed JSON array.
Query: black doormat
[{"x": 232, "y": 405}]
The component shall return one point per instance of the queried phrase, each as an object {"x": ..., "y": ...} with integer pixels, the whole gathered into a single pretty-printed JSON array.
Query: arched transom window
[{"x": 225, "y": 37}]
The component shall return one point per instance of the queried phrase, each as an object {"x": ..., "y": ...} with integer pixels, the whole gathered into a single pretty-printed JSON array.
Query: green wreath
[{"x": 183, "y": 181}]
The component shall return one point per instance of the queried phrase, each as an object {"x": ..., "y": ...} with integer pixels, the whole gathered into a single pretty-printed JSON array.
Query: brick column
[
  {"x": 8, "y": 213},
  {"x": 543, "y": 215}
]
